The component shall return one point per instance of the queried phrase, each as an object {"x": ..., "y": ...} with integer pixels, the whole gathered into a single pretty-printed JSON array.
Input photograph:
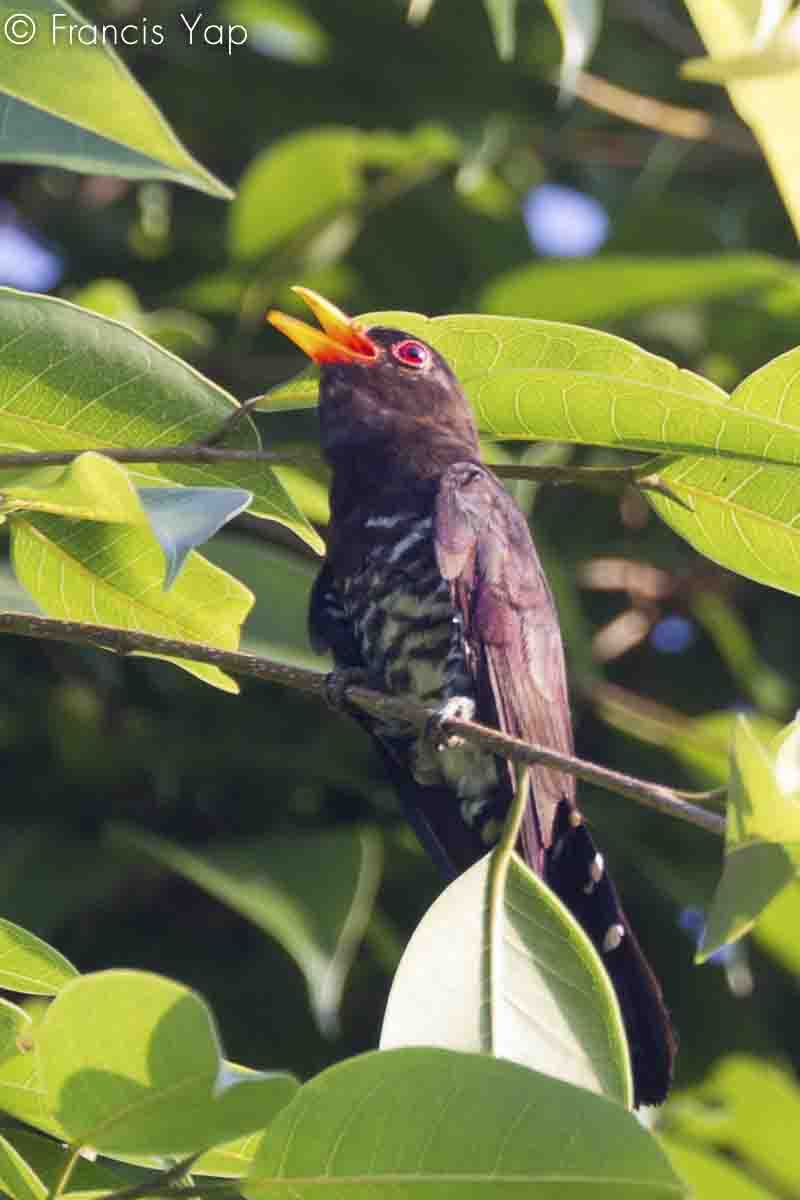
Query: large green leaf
[
  {"x": 551, "y": 1006},
  {"x": 73, "y": 380},
  {"x": 743, "y": 516},
  {"x": 77, "y": 106},
  {"x": 768, "y": 104},
  {"x": 762, "y": 839},
  {"x": 29, "y": 965},
  {"x": 610, "y": 287},
  {"x": 22, "y": 1092},
  {"x": 131, "y": 1065},
  {"x": 113, "y": 575},
  {"x": 314, "y": 894},
  {"x": 435, "y": 1123},
  {"x": 533, "y": 380}
]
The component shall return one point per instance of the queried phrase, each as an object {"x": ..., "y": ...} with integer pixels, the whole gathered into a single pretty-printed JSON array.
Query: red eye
[{"x": 411, "y": 353}]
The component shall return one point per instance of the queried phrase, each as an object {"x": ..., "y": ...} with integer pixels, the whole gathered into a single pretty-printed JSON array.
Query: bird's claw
[
  {"x": 336, "y": 684},
  {"x": 457, "y": 708}
]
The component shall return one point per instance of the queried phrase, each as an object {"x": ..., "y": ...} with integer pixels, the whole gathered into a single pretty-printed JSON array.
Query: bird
[{"x": 432, "y": 590}]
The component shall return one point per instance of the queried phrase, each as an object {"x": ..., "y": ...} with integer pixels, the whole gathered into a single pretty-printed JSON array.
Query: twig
[
  {"x": 689, "y": 123},
  {"x": 231, "y": 421},
  {"x": 417, "y": 716}
]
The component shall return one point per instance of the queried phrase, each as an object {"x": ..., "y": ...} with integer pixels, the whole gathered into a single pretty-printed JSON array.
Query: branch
[
  {"x": 690, "y": 124},
  {"x": 128, "y": 641}
]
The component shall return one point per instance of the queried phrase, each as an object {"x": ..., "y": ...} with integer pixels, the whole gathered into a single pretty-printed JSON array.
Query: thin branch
[
  {"x": 231, "y": 421},
  {"x": 378, "y": 704},
  {"x": 691, "y": 124}
]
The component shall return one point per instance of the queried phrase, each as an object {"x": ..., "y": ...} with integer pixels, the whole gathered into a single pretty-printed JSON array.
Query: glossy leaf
[
  {"x": 76, "y": 105},
  {"x": 72, "y": 380},
  {"x": 436, "y": 1123},
  {"x": 762, "y": 840},
  {"x": 313, "y": 894},
  {"x": 743, "y": 516},
  {"x": 29, "y": 965},
  {"x": 768, "y": 104},
  {"x": 131, "y": 1064},
  {"x": 113, "y": 574},
  {"x": 182, "y": 518},
  {"x": 557, "y": 1010},
  {"x": 611, "y": 287}
]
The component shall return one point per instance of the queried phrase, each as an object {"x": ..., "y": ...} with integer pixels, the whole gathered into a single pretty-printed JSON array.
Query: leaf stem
[
  {"x": 417, "y": 716},
  {"x": 63, "y": 1178},
  {"x": 499, "y": 865}
]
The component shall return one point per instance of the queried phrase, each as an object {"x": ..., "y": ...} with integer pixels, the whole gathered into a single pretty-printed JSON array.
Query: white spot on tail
[{"x": 614, "y": 936}]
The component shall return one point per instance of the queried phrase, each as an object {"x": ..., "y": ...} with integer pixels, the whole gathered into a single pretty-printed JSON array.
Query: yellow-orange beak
[{"x": 340, "y": 340}]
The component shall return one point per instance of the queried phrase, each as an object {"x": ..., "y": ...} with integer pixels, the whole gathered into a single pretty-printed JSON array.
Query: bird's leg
[
  {"x": 457, "y": 708},
  {"x": 336, "y": 684}
]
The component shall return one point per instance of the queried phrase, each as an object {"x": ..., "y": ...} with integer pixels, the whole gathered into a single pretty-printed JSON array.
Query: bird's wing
[
  {"x": 512, "y": 636},
  {"x": 513, "y": 645}
]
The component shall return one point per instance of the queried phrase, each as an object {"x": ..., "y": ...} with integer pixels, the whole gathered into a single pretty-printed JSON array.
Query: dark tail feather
[{"x": 577, "y": 875}]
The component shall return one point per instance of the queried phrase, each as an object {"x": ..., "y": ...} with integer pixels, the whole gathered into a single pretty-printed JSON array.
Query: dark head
[{"x": 389, "y": 403}]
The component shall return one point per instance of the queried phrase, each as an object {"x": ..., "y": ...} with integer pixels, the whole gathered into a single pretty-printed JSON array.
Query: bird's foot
[
  {"x": 336, "y": 684},
  {"x": 457, "y": 708}
]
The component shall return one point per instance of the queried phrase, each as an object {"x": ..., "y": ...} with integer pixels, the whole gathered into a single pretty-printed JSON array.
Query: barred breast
[{"x": 411, "y": 639}]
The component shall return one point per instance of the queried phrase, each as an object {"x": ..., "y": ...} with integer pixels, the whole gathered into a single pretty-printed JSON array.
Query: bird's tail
[{"x": 576, "y": 873}]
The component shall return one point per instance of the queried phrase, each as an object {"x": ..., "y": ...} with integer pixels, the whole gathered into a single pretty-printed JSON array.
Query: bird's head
[{"x": 382, "y": 391}]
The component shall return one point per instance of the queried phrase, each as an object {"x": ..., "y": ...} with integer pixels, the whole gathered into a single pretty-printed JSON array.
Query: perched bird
[{"x": 432, "y": 588}]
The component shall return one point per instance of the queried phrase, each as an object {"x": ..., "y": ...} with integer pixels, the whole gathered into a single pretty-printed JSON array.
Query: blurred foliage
[{"x": 389, "y": 165}]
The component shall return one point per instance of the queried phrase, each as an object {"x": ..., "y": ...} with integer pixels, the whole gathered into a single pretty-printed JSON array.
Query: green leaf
[
  {"x": 48, "y": 1158},
  {"x": 711, "y": 1175},
  {"x": 231, "y": 1160},
  {"x": 776, "y": 931},
  {"x": 72, "y": 380},
  {"x": 304, "y": 181},
  {"x": 281, "y": 29},
  {"x": 578, "y": 23},
  {"x": 779, "y": 54},
  {"x": 76, "y": 106},
  {"x": 314, "y": 894},
  {"x": 612, "y": 287},
  {"x": 22, "y": 1093},
  {"x": 132, "y": 1065},
  {"x": 91, "y": 487},
  {"x": 29, "y": 965},
  {"x": 767, "y": 104},
  {"x": 503, "y": 19},
  {"x": 742, "y": 516},
  {"x": 434, "y": 1123},
  {"x": 557, "y": 1011},
  {"x": 744, "y": 1108},
  {"x": 112, "y": 574},
  {"x": 281, "y": 581},
  {"x": 762, "y": 839},
  {"x": 17, "y": 1178}
]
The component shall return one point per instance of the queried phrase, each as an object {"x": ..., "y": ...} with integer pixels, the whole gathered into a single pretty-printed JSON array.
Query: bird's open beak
[{"x": 341, "y": 340}]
